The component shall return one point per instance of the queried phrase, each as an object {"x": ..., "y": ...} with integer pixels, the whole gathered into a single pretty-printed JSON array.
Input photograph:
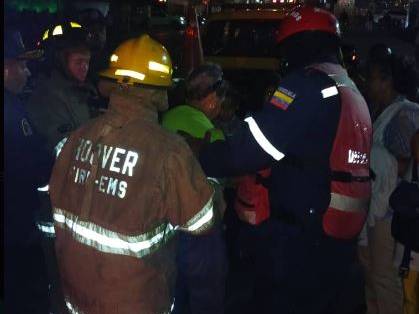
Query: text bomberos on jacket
[{"x": 113, "y": 159}]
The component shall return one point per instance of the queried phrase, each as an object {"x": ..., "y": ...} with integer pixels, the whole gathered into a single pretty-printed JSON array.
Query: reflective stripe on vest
[
  {"x": 108, "y": 241},
  {"x": 47, "y": 228},
  {"x": 262, "y": 140},
  {"x": 348, "y": 204},
  {"x": 343, "y": 81}
]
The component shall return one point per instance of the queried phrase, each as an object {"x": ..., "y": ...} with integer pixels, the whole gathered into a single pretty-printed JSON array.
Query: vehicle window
[{"x": 247, "y": 38}]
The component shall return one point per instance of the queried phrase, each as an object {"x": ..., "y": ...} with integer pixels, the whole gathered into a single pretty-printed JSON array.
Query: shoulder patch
[
  {"x": 26, "y": 127},
  {"x": 282, "y": 98}
]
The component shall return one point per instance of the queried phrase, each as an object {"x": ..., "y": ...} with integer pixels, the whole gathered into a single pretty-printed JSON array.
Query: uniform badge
[
  {"x": 26, "y": 127},
  {"x": 282, "y": 98}
]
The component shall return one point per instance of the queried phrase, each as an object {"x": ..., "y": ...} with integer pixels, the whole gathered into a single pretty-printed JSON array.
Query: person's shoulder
[
  {"x": 302, "y": 85},
  {"x": 186, "y": 118},
  {"x": 172, "y": 145},
  {"x": 176, "y": 112},
  {"x": 408, "y": 111},
  {"x": 181, "y": 111},
  {"x": 13, "y": 108},
  {"x": 407, "y": 107},
  {"x": 171, "y": 118},
  {"x": 162, "y": 136},
  {"x": 47, "y": 88},
  {"x": 307, "y": 79}
]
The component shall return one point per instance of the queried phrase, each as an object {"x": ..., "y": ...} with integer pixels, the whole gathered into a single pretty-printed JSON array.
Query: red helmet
[{"x": 308, "y": 18}]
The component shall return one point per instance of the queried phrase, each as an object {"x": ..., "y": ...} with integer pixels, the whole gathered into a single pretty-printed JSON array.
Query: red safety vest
[
  {"x": 349, "y": 160},
  {"x": 252, "y": 199}
]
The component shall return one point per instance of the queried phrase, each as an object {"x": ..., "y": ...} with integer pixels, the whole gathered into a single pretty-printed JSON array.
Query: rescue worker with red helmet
[
  {"x": 121, "y": 187},
  {"x": 315, "y": 135}
]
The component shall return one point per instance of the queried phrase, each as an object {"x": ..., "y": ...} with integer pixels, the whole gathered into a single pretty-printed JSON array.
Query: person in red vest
[{"x": 315, "y": 135}]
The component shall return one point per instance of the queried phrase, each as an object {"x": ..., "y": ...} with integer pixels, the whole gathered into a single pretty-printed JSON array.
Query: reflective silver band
[
  {"x": 348, "y": 204},
  {"x": 343, "y": 81},
  {"x": 59, "y": 147},
  {"x": 262, "y": 140},
  {"x": 213, "y": 181},
  {"x": 330, "y": 91},
  {"x": 47, "y": 228},
  {"x": 108, "y": 241},
  {"x": 74, "y": 310},
  {"x": 202, "y": 220},
  {"x": 44, "y": 189}
]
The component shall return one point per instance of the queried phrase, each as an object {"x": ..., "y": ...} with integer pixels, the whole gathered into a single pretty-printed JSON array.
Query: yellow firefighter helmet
[{"x": 140, "y": 60}]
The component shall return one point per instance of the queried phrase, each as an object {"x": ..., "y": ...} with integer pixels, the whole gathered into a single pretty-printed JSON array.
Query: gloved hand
[{"x": 194, "y": 143}]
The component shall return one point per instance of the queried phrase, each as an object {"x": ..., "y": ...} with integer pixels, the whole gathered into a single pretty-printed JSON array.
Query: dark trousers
[
  {"x": 25, "y": 280},
  {"x": 202, "y": 269},
  {"x": 305, "y": 274}
]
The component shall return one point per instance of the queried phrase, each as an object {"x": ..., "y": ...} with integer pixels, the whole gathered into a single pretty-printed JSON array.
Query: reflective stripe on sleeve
[
  {"x": 59, "y": 147},
  {"x": 348, "y": 203},
  {"x": 71, "y": 308},
  {"x": 108, "y": 241},
  {"x": 43, "y": 188},
  {"x": 213, "y": 180},
  {"x": 202, "y": 220},
  {"x": 262, "y": 140},
  {"x": 47, "y": 228}
]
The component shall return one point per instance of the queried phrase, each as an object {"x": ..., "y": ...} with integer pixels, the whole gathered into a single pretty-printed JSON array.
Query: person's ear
[
  {"x": 387, "y": 84},
  {"x": 210, "y": 101},
  {"x": 6, "y": 72}
]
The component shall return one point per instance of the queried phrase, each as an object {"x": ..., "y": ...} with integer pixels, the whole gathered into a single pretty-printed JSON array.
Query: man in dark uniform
[
  {"x": 26, "y": 167},
  {"x": 306, "y": 261}
]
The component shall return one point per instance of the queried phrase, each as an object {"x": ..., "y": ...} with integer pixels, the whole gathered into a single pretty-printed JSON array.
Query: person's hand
[{"x": 194, "y": 143}]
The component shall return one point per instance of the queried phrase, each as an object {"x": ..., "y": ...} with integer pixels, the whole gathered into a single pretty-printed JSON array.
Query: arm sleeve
[
  {"x": 400, "y": 131},
  {"x": 47, "y": 117},
  {"x": 188, "y": 194},
  {"x": 238, "y": 155},
  {"x": 276, "y": 131},
  {"x": 384, "y": 166},
  {"x": 57, "y": 182},
  {"x": 25, "y": 155}
]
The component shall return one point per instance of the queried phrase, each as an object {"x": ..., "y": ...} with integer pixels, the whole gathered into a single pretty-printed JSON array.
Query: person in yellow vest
[
  {"x": 120, "y": 189},
  {"x": 205, "y": 92},
  {"x": 201, "y": 260}
]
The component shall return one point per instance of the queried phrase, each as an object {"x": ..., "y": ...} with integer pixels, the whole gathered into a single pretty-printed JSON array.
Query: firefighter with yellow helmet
[{"x": 121, "y": 188}]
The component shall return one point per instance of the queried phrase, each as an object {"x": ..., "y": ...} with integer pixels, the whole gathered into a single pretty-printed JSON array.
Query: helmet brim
[{"x": 31, "y": 55}]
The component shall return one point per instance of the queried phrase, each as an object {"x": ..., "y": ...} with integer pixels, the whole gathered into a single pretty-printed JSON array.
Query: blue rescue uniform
[
  {"x": 294, "y": 135},
  {"x": 26, "y": 167}
]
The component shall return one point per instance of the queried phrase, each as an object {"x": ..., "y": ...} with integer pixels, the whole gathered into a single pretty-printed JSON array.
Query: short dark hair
[
  {"x": 204, "y": 80},
  {"x": 390, "y": 66}
]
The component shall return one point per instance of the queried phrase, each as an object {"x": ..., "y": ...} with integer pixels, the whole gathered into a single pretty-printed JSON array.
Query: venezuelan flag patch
[{"x": 282, "y": 98}]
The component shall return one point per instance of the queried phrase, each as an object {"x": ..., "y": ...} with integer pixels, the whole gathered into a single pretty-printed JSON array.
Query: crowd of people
[{"x": 116, "y": 203}]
